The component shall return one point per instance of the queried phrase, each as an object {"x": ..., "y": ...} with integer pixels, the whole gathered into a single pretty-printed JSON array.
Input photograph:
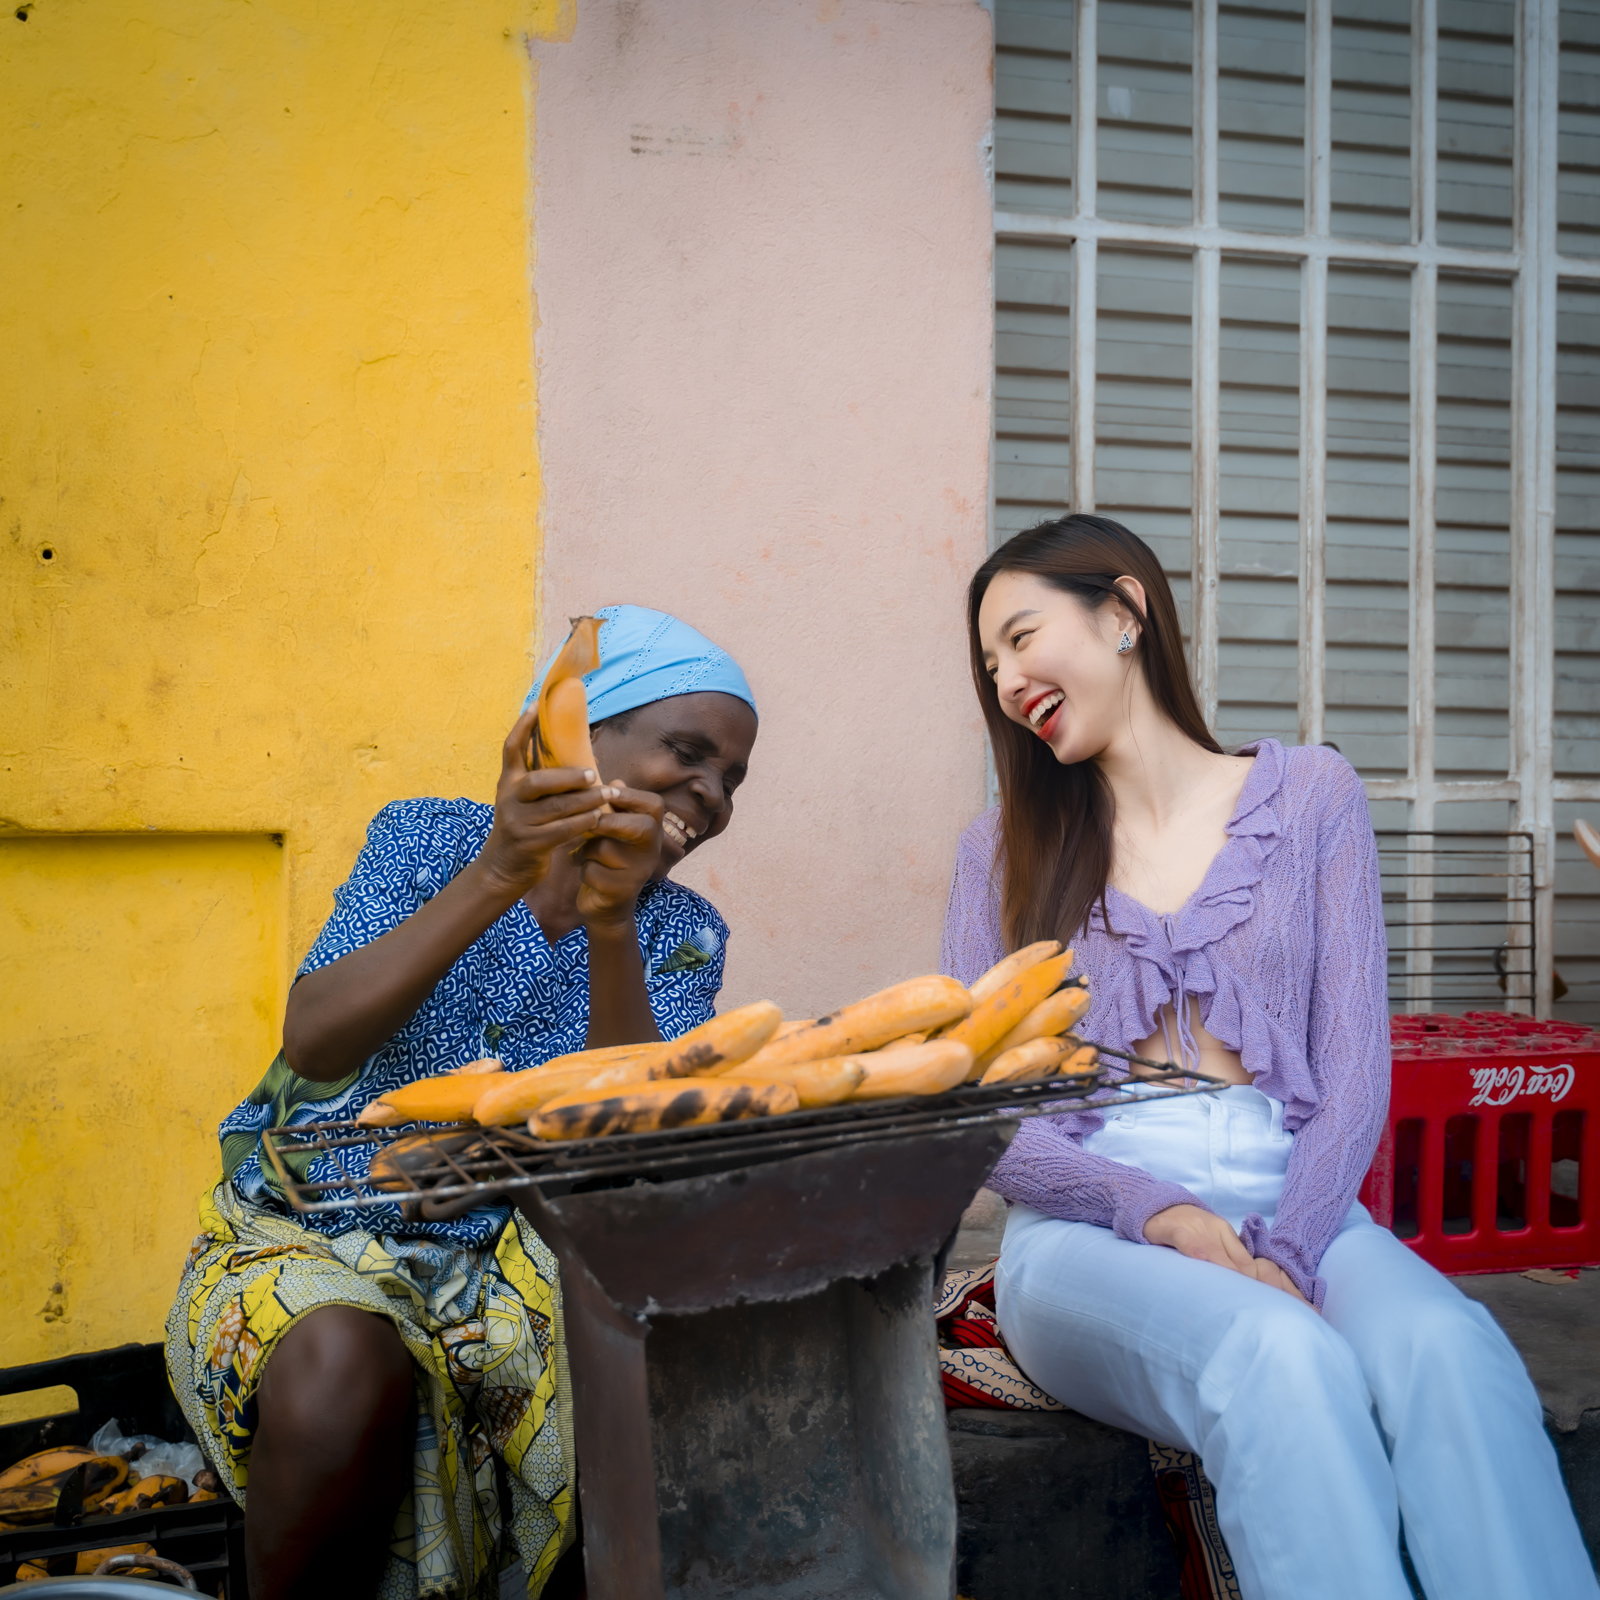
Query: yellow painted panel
[
  {"x": 269, "y": 494},
  {"x": 141, "y": 996},
  {"x": 57, "y": 1400}
]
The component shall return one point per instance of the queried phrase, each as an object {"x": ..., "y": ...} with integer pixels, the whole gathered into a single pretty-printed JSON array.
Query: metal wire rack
[
  {"x": 463, "y": 1164},
  {"x": 1458, "y": 907}
]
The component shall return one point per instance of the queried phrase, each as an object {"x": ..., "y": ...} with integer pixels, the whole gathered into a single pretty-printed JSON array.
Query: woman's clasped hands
[{"x": 1204, "y": 1236}]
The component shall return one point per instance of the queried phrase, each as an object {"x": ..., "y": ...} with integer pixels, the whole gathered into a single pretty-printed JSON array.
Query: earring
[{"x": 1126, "y": 645}]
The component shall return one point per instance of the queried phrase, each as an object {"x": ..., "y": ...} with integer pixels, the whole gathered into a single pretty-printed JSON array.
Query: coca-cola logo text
[{"x": 1499, "y": 1086}]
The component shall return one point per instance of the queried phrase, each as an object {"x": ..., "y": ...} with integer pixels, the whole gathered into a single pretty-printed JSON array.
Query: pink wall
[{"x": 763, "y": 292}]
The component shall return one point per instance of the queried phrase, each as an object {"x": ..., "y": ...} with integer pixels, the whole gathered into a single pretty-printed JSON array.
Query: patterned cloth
[
  {"x": 484, "y": 1330},
  {"x": 1283, "y": 946},
  {"x": 977, "y": 1369},
  {"x": 512, "y": 994}
]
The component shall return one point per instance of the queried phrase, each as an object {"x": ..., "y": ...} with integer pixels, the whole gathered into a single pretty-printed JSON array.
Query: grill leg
[{"x": 611, "y": 1427}]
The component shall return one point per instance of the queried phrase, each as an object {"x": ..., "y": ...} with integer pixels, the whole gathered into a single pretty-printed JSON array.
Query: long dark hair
[{"x": 1055, "y": 821}]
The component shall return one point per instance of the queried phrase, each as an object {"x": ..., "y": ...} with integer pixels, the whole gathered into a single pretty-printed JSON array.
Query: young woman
[
  {"x": 1197, "y": 1269},
  {"x": 391, "y": 1394}
]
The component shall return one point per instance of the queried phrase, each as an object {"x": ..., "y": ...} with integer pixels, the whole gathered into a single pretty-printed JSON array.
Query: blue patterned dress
[{"x": 512, "y": 994}]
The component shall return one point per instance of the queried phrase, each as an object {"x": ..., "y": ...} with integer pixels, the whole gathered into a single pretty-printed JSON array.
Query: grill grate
[{"x": 487, "y": 1162}]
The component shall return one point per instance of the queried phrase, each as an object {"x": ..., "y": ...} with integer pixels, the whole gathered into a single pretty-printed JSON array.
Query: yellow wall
[{"x": 268, "y": 533}]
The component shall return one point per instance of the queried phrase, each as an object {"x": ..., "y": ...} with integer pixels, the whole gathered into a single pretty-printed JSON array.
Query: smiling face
[
  {"x": 693, "y": 751},
  {"x": 1054, "y": 662}
]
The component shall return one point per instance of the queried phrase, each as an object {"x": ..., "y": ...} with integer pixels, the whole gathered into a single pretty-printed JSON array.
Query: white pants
[{"x": 1403, "y": 1400}]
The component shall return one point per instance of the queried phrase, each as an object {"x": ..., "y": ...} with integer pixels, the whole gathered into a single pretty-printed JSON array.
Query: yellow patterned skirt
[{"x": 484, "y": 1329}]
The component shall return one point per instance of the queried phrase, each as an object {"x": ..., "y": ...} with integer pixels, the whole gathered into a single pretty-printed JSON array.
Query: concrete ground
[{"x": 1056, "y": 1507}]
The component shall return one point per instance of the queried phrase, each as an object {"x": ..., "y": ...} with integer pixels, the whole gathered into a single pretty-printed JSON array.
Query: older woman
[{"x": 387, "y": 1396}]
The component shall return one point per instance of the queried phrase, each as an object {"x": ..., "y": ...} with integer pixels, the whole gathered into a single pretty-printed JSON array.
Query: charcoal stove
[{"x": 756, "y": 1396}]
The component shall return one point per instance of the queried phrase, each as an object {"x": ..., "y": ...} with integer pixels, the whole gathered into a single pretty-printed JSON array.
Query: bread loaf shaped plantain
[
  {"x": 867, "y": 1024},
  {"x": 1052, "y": 1016},
  {"x": 993, "y": 1018},
  {"x": 1013, "y": 966},
  {"x": 652, "y": 1107}
]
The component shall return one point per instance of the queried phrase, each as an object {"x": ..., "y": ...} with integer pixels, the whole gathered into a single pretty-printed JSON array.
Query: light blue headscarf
[{"x": 647, "y": 656}]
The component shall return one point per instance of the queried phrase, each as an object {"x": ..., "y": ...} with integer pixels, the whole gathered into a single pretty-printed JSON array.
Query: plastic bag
[{"x": 160, "y": 1457}]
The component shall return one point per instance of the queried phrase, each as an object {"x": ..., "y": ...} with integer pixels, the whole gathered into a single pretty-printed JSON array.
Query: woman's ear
[{"x": 1124, "y": 620}]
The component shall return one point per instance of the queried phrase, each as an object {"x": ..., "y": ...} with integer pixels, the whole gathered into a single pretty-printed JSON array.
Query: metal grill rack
[
  {"x": 489, "y": 1162},
  {"x": 747, "y": 1321}
]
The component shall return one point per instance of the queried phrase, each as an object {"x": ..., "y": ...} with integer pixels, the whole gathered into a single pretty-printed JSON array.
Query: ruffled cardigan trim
[{"x": 1173, "y": 960}]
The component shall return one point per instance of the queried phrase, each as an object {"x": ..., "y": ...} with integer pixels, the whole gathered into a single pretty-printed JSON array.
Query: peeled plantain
[
  {"x": 666, "y": 1103},
  {"x": 818, "y": 1083},
  {"x": 393, "y": 1165},
  {"x": 1012, "y": 968},
  {"x": 1049, "y": 1019},
  {"x": 561, "y": 734},
  {"x": 996, "y": 1015},
  {"x": 1038, "y": 1060}
]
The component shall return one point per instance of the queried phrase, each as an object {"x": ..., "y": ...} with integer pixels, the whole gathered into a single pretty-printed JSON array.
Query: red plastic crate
[{"x": 1482, "y": 1108}]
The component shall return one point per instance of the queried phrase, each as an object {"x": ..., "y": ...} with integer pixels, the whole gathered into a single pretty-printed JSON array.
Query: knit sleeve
[
  {"x": 1347, "y": 1049},
  {"x": 1046, "y": 1168},
  {"x": 973, "y": 941}
]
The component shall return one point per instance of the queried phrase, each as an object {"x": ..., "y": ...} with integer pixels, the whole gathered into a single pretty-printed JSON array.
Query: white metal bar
[
  {"x": 1314, "y": 377},
  {"x": 1446, "y": 791},
  {"x": 1578, "y": 268},
  {"x": 1085, "y": 253},
  {"x": 1205, "y": 380},
  {"x": 1533, "y": 463},
  {"x": 1424, "y": 349},
  {"x": 1587, "y": 789},
  {"x": 1186, "y": 236}
]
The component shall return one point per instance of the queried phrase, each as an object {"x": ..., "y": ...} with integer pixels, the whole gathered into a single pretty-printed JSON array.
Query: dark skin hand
[{"x": 672, "y": 768}]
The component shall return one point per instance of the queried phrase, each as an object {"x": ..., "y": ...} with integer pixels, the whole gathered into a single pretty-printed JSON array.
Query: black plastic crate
[
  {"x": 130, "y": 1384},
  {"x": 207, "y": 1538}
]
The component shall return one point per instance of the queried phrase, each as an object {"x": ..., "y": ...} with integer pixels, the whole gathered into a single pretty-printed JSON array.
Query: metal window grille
[
  {"x": 1343, "y": 240},
  {"x": 1473, "y": 922}
]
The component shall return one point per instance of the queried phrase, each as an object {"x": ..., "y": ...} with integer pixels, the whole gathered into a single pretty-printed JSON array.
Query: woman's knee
[
  {"x": 1287, "y": 1347},
  {"x": 338, "y": 1371}
]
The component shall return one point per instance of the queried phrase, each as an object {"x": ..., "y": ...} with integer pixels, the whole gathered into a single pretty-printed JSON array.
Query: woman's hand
[
  {"x": 619, "y": 859},
  {"x": 535, "y": 814},
  {"x": 1271, "y": 1274},
  {"x": 1203, "y": 1236}
]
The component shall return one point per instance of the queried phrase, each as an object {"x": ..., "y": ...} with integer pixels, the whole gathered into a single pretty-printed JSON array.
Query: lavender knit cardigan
[{"x": 1283, "y": 946}]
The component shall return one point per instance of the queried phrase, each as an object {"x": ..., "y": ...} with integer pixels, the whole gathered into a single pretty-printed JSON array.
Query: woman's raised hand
[
  {"x": 536, "y": 813},
  {"x": 620, "y": 857},
  {"x": 1204, "y": 1236}
]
